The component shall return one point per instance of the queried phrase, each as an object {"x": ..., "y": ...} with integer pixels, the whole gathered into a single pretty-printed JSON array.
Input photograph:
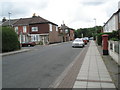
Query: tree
[
  {"x": 88, "y": 32},
  {"x": 9, "y": 39}
]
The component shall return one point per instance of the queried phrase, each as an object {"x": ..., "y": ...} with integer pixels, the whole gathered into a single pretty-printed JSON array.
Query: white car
[{"x": 78, "y": 43}]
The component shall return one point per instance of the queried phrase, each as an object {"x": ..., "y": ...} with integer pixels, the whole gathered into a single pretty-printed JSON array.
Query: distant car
[
  {"x": 78, "y": 43},
  {"x": 26, "y": 44},
  {"x": 85, "y": 40},
  {"x": 91, "y": 38}
]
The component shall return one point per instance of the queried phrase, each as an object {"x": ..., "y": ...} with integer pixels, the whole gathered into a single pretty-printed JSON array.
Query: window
[
  {"x": 34, "y": 29},
  {"x": 50, "y": 25},
  {"x": 35, "y": 38},
  {"x": 66, "y": 30},
  {"x": 16, "y": 29},
  {"x": 56, "y": 28},
  {"x": 24, "y": 29}
]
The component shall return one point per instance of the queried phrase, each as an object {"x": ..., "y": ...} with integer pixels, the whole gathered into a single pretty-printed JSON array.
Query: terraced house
[{"x": 36, "y": 29}]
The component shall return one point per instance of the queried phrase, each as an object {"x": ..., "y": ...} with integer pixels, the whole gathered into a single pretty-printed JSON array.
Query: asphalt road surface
[{"x": 37, "y": 68}]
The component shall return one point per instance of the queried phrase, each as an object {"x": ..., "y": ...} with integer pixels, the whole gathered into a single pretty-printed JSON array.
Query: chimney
[
  {"x": 4, "y": 19},
  {"x": 34, "y": 15}
]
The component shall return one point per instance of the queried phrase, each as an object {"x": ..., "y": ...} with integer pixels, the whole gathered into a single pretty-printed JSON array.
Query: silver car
[{"x": 78, "y": 43}]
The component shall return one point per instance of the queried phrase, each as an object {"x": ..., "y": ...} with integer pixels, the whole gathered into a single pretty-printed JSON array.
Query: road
[{"x": 39, "y": 67}]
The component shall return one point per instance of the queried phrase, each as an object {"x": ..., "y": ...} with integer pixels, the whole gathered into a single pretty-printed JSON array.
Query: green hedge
[
  {"x": 9, "y": 40},
  {"x": 111, "y": 36}
]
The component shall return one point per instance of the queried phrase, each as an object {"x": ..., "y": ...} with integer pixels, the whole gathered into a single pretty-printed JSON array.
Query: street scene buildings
[
  {"x": 37, "y": 29},
  {"x": 59, "y": 56}
]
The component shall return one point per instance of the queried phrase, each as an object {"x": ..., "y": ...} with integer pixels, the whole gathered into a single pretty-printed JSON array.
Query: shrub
[
  {"x": 111, "y": 36},
  {"x": 40, "y": 43},
  {"x": 99, "y": 38},
  {"x": 114, "y": 39},
  {"x": 9, "y": 40}
]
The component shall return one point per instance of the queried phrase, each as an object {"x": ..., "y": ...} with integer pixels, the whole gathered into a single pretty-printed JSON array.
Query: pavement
[
  {"x": 93, "y": 72},
  {"x": 15, "y": 52},
  {"x": 87, "y": 72}
]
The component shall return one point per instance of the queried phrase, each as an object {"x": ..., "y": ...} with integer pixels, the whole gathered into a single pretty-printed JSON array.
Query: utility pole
[
  {"x": 9, "y": 17},
  {"x": 95, "y": 30},
  {"x": 95, "y": 26}
]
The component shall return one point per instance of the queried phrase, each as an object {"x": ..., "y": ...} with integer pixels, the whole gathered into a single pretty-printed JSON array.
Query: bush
[
  {"x": 99, "y": 38},
  {"x": 40, "y": 43},
  {"x": 111, "y": 36},
  {"x": 114, "y": 39},
  {"x": 9, "y": 40}
]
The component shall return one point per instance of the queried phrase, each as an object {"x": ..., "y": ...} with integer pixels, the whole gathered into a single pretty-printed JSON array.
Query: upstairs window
[
  {"x": 50, "y": 27},
  {"x": 56, "y": 28},
  {"x": 34, "y": 29},
  {"x": 16, "y": 29},
  {"x": 66, "y": 30},
  {"x": 24, "y": 29}
]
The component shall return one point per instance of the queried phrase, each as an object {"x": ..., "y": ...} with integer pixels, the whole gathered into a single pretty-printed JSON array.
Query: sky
[{"x": 74, "y": 13}]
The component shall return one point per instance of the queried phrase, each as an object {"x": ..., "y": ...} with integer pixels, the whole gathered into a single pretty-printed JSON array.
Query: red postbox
[{"x": 105, "y": 44}]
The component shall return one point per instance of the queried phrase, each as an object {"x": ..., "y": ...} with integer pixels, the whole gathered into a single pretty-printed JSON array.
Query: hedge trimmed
[
  {"x": 9, "y": 40},
  {"x": 111, "y": 35}
]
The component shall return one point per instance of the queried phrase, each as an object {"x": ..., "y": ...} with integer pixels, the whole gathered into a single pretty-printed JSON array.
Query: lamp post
[
  {"x": 95, "y": 26},
  {"x": 95, "y": 29},
  {"x": 9, "y": 17}
]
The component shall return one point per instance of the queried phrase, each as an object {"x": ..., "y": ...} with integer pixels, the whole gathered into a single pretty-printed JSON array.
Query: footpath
[
  {"x": 14, "y": 52},
  {"x": 93, "y": 73},
  {"x": 87, "y": 72}
]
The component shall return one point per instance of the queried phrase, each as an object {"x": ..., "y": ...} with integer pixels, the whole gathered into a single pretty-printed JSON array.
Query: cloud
[
  {"x": 75, "y": 13},
  {"x": 92, "y": 3}
]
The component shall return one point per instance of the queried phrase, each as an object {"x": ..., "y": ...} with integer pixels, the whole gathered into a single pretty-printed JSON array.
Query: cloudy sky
[{"x": 74, "y": 13}]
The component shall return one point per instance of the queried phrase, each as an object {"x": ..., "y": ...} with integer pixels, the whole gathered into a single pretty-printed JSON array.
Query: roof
[
  {"x": 112, "y": 17},
  {"x": 6, "y": 23},
  {"x": 32, "y": 20}
]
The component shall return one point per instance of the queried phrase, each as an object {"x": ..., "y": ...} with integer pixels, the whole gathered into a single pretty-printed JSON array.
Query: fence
[{"x": 114, "y": 50}]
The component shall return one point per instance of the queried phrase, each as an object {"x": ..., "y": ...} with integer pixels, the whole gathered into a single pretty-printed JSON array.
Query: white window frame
[
  {"x": 24, "y": 29},
  {"x": 34, "y": 29},
  {"x": 56, "y": 28},
  {"x": 16, "y": 30},
  {"x": 50, "y": 27},
  {"x": 35, "y": 37},
  {"x": 66, "y": 30}
]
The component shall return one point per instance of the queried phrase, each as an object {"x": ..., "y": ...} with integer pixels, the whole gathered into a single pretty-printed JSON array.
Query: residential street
[{"x": 39, "y": 67}]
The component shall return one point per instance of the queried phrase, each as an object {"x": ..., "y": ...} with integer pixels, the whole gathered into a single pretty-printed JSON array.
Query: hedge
[
  {"x": 9, "y": 40},
  {"x": 111, "y": 35}
]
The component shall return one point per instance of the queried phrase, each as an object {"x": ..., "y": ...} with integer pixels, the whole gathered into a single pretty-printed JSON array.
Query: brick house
[
  {"x": 66, "y": 33},
  {"x": 37, "y": 29},
  {"x": 72, "y": 36}
]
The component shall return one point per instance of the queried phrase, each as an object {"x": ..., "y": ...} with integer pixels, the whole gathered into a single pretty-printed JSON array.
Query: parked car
[
  {"x": 26, "y": 44},
  {"x": 91, "y": 38},
  {"x": 85, "y": 40},
  {"x": 78, "y": 43}
]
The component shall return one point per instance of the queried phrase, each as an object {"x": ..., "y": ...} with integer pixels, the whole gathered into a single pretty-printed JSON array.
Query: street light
[
  {"x": 95, "y": 26},
  {"x": 9, "y": 17}
]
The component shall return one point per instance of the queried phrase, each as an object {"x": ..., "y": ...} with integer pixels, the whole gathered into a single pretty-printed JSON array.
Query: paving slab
[{"x": 93, "y": 72}]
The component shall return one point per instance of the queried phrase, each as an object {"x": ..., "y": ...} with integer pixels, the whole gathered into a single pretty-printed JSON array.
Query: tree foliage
[
  {"x": 88, "y": 32},
  {"x": 9, "y": 40}
]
